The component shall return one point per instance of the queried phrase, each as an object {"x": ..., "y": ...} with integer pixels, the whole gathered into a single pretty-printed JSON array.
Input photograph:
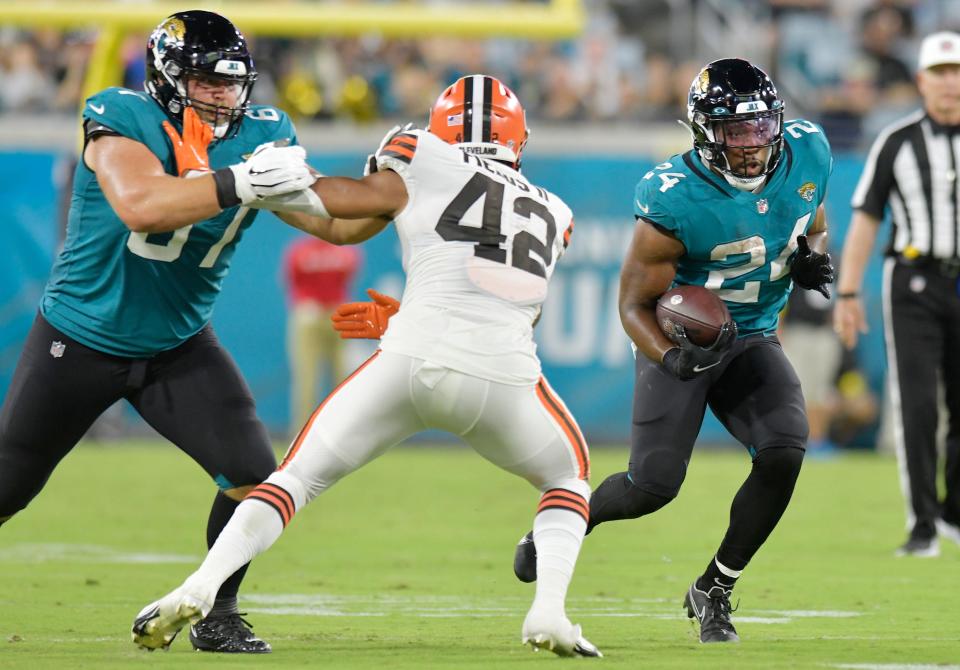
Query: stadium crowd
[{"x": 846, "y": 64}]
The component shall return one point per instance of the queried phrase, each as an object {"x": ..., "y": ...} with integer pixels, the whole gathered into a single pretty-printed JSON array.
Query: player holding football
[
  {"x": 729, "y": 216},
  {"x": 480, "y": 244},
  {"x": 126, "y": 311}
]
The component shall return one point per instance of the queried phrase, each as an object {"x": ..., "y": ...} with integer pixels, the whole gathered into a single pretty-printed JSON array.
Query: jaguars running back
[{"x": 741, "y": 214}]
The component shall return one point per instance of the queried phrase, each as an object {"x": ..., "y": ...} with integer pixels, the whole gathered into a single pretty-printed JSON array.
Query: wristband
[
  {"x": 226, "y": 188},
  {"x": 846, "y": 295}
]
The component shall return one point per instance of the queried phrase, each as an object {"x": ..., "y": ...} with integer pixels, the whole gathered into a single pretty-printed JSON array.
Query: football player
[
  {"x": 741, "y": 214},
  {"x": 125, "y": 314},
  {"x": 480, "y": 243}
]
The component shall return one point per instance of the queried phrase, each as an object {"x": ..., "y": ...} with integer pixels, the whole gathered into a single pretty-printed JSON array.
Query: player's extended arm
[
  {"x": 647, "y": 272},
  {"x": 336, "y": 231},
  {"x": 356, "y": 209},
  {"x": 849, "y": 318},
  {"x": 150, "y": 201},
  {"x": 145, "y": 197}
]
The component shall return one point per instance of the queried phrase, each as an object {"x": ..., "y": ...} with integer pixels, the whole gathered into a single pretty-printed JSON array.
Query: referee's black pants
[{"x": 922, "y": 322}]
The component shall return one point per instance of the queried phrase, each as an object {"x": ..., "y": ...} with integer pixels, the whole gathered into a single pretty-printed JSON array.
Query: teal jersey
[
  {"x": 136, "y": 294},
  {"x": 738, "y": 243}
]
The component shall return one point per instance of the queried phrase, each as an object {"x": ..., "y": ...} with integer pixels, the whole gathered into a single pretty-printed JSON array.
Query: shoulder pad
[
  {"x": 401, "y": 146},
  {"x": 124, "y": 111},
  {"x": 808, "y": 137},
  {"x": 263, "y": 123},
  {"x": 114, "y": 102},
  {"x": 659, "y": 187}
]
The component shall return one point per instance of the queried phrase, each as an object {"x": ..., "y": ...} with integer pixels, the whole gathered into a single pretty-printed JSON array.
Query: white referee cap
[{"x": 939, "y": 49}]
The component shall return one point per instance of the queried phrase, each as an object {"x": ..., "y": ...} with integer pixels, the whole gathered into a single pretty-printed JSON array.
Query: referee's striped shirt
[{"x": 913, "y": 166}]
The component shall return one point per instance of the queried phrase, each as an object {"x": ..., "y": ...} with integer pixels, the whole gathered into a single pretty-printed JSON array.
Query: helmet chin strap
[
  {"x": 745, "y": 183},
  {"x": 740, "y": 183}
]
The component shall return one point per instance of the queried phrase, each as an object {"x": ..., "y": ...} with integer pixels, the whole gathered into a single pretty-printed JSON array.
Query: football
[{"x": 697, "y": 309}]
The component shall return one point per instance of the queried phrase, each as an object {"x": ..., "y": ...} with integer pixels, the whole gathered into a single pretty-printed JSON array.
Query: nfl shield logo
[
  {"x": 762, "y": 206},
  {"x": 57, "y": 349}
]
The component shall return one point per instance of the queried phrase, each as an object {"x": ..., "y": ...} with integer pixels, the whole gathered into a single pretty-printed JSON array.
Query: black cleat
[
  {"x": 712, "y": 609},
  {"x": 525, "y": 559},
  {"x": 921, "y": 547},
  {"x": 230, "y": 634}
]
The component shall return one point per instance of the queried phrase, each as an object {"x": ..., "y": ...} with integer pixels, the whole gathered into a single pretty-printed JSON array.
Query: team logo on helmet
[
  {"x": 703, "y": 81},
  {"x": 175, "y": 28},
  {"x": 170, "y": 33},
  {"x": 807, "y": 191}
]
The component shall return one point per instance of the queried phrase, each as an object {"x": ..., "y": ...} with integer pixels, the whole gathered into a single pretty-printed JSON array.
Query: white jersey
[{"x": 480, "y": 244}]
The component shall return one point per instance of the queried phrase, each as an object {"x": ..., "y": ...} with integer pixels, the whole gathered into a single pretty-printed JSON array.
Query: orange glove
[
  {"x": 190, "y": 151},
  {"x": 365, "y": 320}
]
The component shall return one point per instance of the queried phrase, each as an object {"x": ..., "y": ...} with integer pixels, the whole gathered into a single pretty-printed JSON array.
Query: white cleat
[
  {"x": 561, "y": 637},
  {"x": 158, "y": 623}
]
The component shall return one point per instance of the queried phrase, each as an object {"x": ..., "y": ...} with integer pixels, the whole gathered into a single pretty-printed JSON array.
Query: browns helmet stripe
[
  {"x": 468, "y": 109},
  {"x": 487, "y": 108}
]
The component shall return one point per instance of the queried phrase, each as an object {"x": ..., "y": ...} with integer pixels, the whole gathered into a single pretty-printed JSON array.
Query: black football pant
[
  {"x": 193, "y": 395},
  {"x": 922, "y": 315},
  {"x": 756, "y": 394}
]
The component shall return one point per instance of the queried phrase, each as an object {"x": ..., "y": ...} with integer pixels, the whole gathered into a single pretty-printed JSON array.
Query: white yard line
[
  {"x": 85, "y": 553},
  {"x": 455, "y": 607}
]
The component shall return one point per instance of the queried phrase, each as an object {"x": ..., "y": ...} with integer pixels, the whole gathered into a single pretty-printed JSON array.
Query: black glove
[
  {"x": 811, "y": 270},
  {"x": 688, "y": 360}
]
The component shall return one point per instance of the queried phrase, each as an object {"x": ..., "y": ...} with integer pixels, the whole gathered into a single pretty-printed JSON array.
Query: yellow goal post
[{"x": 552, "y": 20}]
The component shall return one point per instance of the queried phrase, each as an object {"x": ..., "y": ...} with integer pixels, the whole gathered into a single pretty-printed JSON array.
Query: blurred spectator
[
  {"x": 853, "y": 421},
  {"x": 882, "y": 27},
  {"x": 318, "y": 278},
  {"x": 24, "y": 84},
  {"x": 811, "y": 345},
  {"x": 633, "y": 62}
]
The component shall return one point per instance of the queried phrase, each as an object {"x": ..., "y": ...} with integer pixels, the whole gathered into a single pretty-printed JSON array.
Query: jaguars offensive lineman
[
  {"x": 741, "y": 214},
  {"x": 126, "y": 311}
]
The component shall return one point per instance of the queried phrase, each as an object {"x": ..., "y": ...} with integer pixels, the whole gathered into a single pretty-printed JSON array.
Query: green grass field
[{"x": 407, "y": 564}]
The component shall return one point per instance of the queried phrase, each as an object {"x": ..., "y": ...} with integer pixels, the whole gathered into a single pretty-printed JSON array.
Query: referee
[{"x": 912, "y": 167}]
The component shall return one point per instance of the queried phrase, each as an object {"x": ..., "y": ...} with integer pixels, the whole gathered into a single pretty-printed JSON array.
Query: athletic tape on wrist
[{"x": 226, "y": 188}]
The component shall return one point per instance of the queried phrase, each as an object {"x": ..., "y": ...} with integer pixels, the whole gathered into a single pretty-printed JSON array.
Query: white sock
[
  {"x": 255, "y": 525},
  {"x": 558, "y": 534},
  {"x": 252, "y": 529}
]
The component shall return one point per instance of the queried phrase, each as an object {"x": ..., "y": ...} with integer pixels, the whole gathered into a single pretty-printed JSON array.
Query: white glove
[
  {"x": 271, "y": 170},
  {"x": 371, "y": 165}
]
